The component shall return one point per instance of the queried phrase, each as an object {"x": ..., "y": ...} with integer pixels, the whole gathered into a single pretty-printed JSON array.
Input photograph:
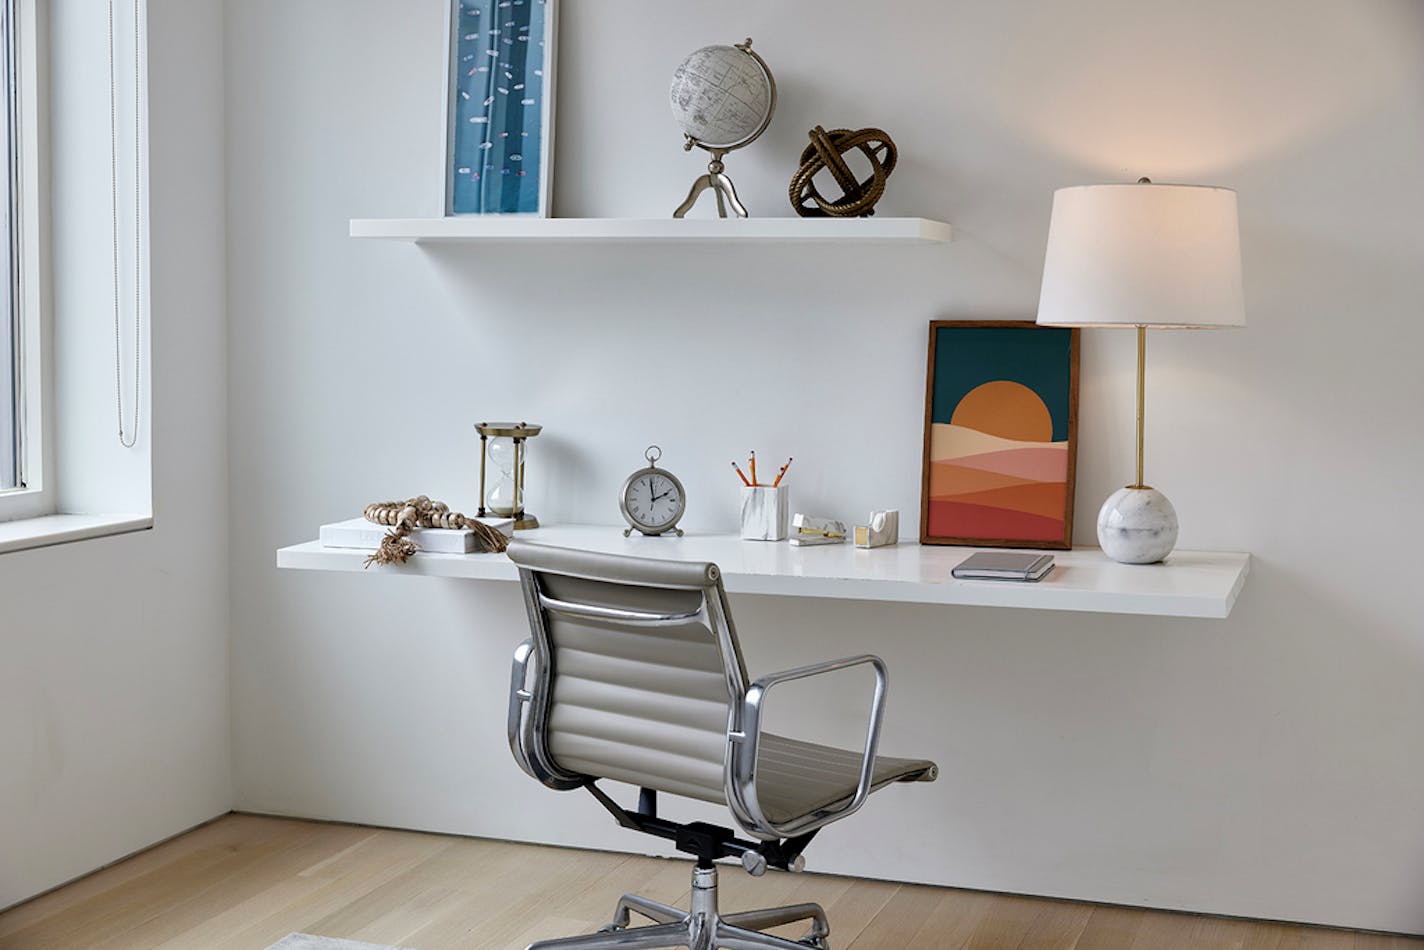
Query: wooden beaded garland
[{"x": 420, "y": 512}]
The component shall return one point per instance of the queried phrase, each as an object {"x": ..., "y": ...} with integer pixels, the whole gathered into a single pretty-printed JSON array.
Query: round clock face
[{"x": 652, "y": 500}]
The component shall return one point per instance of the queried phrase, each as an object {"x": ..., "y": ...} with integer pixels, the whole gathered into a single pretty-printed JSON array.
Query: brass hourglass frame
[{"x": 518, "y": 432}]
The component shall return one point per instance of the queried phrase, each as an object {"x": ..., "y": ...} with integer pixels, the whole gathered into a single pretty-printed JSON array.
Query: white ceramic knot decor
[{"x": 1137, "y": 526}]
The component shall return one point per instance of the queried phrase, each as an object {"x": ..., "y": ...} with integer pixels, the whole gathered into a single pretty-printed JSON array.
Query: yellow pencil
[
  {"x": 782, "y": 474},
  {"x": 738, "y": 470},
  {"x": 754, "y": 481}
]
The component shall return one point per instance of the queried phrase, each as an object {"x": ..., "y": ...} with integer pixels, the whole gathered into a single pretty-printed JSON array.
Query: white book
[{"x": 367, "y": 535}]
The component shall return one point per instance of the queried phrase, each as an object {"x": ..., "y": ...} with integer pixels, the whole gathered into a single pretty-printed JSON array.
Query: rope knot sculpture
[
  {"x": 825, "y": 151},
  {"x": 420, "y": 512}
]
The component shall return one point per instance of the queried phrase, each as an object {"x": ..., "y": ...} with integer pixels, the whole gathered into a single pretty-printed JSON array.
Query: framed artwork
[
  {"x": 1001, "y": 420},
  {"x": 500, "y": 106}
]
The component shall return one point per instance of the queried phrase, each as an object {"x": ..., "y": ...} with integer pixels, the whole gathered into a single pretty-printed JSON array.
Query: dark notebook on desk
[{"x": 1003, "y": 566}]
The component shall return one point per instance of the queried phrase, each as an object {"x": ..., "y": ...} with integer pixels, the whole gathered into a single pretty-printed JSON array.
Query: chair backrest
[{"x": 637, "y": 669}]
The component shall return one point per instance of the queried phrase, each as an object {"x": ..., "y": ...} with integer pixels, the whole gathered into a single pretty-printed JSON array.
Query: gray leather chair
[{"x": 633, "y": 674}]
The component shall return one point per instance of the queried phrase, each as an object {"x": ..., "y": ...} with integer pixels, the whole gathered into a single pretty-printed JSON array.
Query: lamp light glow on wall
[{"x": 1142, "y": 255}]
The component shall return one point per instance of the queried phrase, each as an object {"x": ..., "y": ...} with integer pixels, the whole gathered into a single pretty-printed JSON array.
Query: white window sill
[{"x": 60, "y": 529}]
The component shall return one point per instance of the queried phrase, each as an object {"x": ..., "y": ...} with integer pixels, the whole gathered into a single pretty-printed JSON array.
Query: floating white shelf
[
  {"x": 1189, "y": 584},
  {"x": 499, "y": 228}
]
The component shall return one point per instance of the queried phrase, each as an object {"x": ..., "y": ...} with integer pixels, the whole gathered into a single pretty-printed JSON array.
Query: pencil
[
  {"x": 741, "y": 476},
  {"x": 754, "y": 480},
  {"x": 782, "y": 474}
]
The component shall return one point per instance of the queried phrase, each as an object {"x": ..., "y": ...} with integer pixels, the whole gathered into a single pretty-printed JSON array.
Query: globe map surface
[{"x": 720, "y": 96}]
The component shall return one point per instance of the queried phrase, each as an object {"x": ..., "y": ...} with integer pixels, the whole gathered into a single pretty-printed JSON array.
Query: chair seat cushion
[{"x": 796, "y": 778}]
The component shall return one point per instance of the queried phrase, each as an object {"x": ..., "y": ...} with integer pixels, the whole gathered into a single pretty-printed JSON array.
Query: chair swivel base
[{"x": 701, "y": 928}]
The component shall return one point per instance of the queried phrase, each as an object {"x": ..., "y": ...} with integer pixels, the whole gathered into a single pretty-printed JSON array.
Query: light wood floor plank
[
  {"x": 1321, "y": 939},
  {"x": 1056, "y": 925},
  {"x": 900, "y": 920},
  {"x": 1370, "y": 941},
  {"x": 1112, "y": 928},
  {"x": 853, "y": 908},
  {"x": 956, "y": 915},
  {"x": 244, "y": 882},
  {"x": 1004, "y": 922},
  {"x": 224, "y": 832},
  {"x": 344, "y": 880},
  {"x": 249, "y": 883},
  {"x": 1159, "y": 930},
  {"x": 133, "y": 901}
]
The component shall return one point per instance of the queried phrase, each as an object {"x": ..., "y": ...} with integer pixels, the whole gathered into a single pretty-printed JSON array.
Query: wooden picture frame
[
  {"x": 508, "y": 99},
  {"x": 1001, "y": 434}
]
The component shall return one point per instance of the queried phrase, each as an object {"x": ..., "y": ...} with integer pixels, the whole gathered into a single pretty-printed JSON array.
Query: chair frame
[
  {"x": 531, "y": 685},
  {"x": 702, "y": 927}
]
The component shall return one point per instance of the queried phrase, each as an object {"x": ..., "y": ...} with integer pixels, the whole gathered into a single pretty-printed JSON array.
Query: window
[
  {"x": 11, "y": 431},
  {"x": 56, "y": 412},
  {"x": 23, "y": 492}
]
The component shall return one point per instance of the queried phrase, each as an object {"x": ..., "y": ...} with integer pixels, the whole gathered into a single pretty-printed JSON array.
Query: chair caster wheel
[
  {"x": 610, "y": 929},
  {"x": 819, "y": 943}
]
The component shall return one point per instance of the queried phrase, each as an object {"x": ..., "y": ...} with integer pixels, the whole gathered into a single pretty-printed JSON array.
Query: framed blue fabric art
[{"x": 499, "y": 137}]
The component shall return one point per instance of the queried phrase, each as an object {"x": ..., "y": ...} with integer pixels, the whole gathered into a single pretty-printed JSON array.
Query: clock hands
[{"x": 654, "y": 497}]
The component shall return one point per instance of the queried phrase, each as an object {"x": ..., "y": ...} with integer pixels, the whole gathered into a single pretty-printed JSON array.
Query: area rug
[{"x": 309, "y": 942}]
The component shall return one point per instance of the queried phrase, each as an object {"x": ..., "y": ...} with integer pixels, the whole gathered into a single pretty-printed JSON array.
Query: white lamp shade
[{"x": 1143, "y": 255}]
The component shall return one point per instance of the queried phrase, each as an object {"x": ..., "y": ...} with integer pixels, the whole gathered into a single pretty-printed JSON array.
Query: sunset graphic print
[{"x": 999, "y": 451}]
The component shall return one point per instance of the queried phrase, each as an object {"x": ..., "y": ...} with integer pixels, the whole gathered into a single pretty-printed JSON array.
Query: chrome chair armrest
[
  {"x": 519, "y": 698},
  {"x": 747, "y": 742}
]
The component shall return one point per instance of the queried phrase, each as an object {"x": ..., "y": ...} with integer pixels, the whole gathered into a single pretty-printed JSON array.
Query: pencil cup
[{"x": 764, "y": 513}]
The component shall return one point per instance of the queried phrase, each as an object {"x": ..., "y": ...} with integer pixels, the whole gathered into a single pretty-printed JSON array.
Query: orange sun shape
[{"x": 1005, "y": 409}]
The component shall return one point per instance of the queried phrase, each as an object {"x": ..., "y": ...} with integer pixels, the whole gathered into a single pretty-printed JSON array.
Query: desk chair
[{"x": 633, "y": 674}]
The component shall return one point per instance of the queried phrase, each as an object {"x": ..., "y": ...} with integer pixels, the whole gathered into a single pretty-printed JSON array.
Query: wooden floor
[{"x": 244, "y": 882}]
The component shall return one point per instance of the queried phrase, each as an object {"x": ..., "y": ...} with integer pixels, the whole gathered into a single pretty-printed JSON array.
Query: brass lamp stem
[{"x": 1141, "y": 397}]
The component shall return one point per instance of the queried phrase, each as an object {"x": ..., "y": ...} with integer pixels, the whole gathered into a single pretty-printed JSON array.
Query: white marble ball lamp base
[{"x": 1137, "y": 526}]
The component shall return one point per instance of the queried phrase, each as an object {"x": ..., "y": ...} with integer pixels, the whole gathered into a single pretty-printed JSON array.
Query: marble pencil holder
[{"x": 764, "y": 513}]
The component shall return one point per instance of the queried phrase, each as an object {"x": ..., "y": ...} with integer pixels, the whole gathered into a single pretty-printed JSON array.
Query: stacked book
[{"x": 366, "y": 536}]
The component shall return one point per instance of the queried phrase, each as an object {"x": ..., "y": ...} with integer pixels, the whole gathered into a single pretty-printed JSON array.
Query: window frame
[{"x": 35, "y": 497}]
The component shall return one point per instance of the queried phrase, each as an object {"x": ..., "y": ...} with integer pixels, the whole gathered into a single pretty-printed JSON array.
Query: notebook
[{"x": 1003, "y": 566}]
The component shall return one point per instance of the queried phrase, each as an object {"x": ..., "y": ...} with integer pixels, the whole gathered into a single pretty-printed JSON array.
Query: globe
[{"x": 722, "y": 96}]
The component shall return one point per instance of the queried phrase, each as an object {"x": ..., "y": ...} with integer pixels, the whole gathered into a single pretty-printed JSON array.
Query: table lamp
[{"x": 1142, "y": 255}]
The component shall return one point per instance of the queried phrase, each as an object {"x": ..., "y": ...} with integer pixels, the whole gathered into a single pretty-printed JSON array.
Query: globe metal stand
[{"x": 716, "y": 178}]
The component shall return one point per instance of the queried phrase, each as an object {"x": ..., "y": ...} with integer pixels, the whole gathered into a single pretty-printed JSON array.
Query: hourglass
[{"x": 502, "y": 448}]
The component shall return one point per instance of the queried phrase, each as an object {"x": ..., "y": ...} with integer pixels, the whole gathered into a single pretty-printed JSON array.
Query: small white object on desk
[
  {"x": 883, "y": 530},
  {"x": 807, "y": 531},
  {"x": 366, "y": 536},
  {"x": 764, "y": 511}
]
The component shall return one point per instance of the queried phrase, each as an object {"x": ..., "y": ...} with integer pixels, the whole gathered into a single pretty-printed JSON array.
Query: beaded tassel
[{"x": 420, "y": 512}]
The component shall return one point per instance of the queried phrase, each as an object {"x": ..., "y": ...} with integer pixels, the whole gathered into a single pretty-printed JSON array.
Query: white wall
[
  {"x": 1267, "y": 765},
  {"x": 114, "y": 729}
]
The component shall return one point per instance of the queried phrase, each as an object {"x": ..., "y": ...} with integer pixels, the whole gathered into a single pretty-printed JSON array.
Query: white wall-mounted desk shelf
[
  {"x": 503, "y": 228},
  {"x": 1189, "y": 584}
]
